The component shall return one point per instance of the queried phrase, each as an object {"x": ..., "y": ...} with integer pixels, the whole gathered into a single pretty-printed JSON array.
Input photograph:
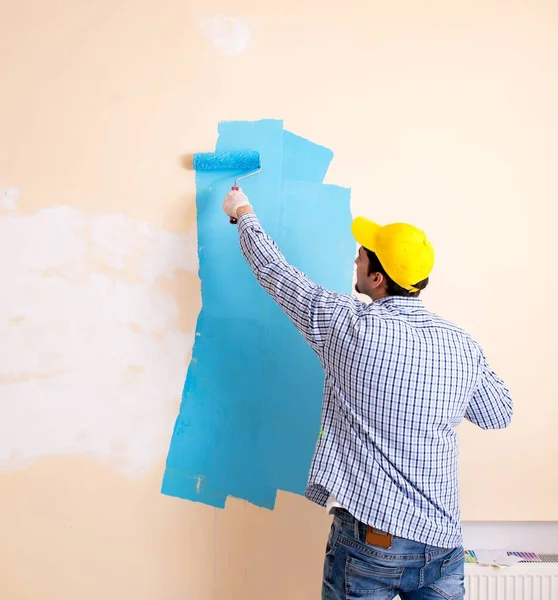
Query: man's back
[{"x": 398, "y": 379}]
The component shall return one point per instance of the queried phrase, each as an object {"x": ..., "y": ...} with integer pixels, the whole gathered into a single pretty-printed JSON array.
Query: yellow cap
[{"x": 403, "y": 250}]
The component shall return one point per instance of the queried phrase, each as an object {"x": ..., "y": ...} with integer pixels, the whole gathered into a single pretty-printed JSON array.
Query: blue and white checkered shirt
[{"x": 398, "y": 379}]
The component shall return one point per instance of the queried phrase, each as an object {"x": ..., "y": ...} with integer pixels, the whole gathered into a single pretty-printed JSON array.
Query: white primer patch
[
  {"x": 229, "y": 35},
  {"x": 8, "y": 199},
  {"x": 92, "y": 359}
]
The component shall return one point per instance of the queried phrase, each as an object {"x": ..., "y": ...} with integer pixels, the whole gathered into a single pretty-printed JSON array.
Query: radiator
[{"x": 524, "y": 581}]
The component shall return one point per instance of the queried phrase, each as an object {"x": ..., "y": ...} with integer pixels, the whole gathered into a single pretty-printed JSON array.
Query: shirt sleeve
[
  {"x": 309, "y": 306},
  {"x": 491, "y": 406}
]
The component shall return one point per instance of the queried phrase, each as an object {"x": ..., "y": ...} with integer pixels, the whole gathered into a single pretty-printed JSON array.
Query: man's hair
[{"x": 393, "y": 289}]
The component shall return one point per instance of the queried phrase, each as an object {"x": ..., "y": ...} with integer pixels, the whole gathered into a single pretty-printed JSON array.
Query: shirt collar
[{"x": 401, "y": 302}]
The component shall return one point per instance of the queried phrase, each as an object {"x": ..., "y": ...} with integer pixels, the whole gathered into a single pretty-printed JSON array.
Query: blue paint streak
[{"x": 250, "y": 412}]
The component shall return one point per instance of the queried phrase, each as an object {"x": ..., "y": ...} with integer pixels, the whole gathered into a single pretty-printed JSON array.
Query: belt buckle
[{"x": 376, "y": 537}]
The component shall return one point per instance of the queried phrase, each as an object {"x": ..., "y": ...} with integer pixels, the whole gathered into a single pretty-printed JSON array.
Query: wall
[
  {"x": 531, "y": 536},
  {"x": 442, "y": 114}
]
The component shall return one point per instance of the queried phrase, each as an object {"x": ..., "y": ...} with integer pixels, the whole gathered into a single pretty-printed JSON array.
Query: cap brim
[{"x": 365, "y": 232}]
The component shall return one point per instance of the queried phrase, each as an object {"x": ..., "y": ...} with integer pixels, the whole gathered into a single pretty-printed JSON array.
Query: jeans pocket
[
  {"x": 371, "y": 579},
  {"x": 451, "y": 585},
  {"x": 454, "y": 564},
  {"x": 332, "y": 537},
  {"x": 330, "y": 552}
]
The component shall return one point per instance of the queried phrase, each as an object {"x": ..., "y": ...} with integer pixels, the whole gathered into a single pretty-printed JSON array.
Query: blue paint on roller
[
  {"x": 250, "y": 412},
  {"x": 243, "y": 160}
]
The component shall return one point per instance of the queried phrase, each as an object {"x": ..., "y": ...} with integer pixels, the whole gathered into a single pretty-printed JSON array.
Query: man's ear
[{"x": 376, "y": 280}]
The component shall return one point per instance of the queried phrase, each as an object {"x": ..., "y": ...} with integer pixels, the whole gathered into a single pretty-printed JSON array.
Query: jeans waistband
[
  {"x": 355, "y": 529},
  {"x": 345, "y": 519}
]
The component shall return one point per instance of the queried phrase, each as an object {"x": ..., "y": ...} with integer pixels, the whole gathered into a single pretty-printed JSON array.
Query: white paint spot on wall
[
  {"x": 8, "y": 199},
  {"x": 227, "y": 34},
  {"x": 92, "y": 358}
]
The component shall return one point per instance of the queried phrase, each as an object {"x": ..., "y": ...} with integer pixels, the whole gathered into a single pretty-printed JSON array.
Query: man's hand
[{"x": 236, "y": 204}]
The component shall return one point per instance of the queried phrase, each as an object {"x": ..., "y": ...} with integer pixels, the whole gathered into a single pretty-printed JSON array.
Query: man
[{"x": 398, "y": 379}]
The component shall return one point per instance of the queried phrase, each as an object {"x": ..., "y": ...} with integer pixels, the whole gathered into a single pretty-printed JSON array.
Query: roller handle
[{"x": 234, "y": 220}]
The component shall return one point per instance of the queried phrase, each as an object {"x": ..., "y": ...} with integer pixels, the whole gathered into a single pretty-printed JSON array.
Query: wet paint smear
[{"x": 250, "y": 412}]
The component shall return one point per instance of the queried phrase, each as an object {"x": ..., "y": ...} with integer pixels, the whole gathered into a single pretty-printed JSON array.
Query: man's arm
[
  {"x": 491, "y": 406},
  {"x": 309, "y": 306}
]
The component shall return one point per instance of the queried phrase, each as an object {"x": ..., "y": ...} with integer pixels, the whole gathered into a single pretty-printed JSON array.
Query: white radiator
[{"x": 524, "y": 581}]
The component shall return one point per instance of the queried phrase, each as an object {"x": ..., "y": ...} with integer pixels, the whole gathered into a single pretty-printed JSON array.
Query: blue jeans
[{"x": 355, "y": 570}]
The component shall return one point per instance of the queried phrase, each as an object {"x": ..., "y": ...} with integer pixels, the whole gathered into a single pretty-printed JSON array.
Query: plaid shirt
[{"x": 398, "y": 379}]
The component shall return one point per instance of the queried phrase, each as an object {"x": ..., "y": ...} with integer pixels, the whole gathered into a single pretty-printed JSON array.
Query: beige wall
[{"x": 442, "y": 114}]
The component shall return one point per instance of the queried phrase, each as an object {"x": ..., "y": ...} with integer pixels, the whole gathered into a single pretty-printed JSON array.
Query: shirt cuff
[{"x": 247, "y": 220}]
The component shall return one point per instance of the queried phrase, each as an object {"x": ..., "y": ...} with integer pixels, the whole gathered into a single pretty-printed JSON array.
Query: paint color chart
[{"x": 250, "y": 412}]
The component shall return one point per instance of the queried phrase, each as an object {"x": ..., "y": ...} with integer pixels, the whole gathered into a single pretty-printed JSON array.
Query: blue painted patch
[{"x": 250, "y": 412}]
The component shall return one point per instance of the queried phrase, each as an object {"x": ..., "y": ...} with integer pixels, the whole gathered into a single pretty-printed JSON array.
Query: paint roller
[{"x": 240, "y": 160}]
